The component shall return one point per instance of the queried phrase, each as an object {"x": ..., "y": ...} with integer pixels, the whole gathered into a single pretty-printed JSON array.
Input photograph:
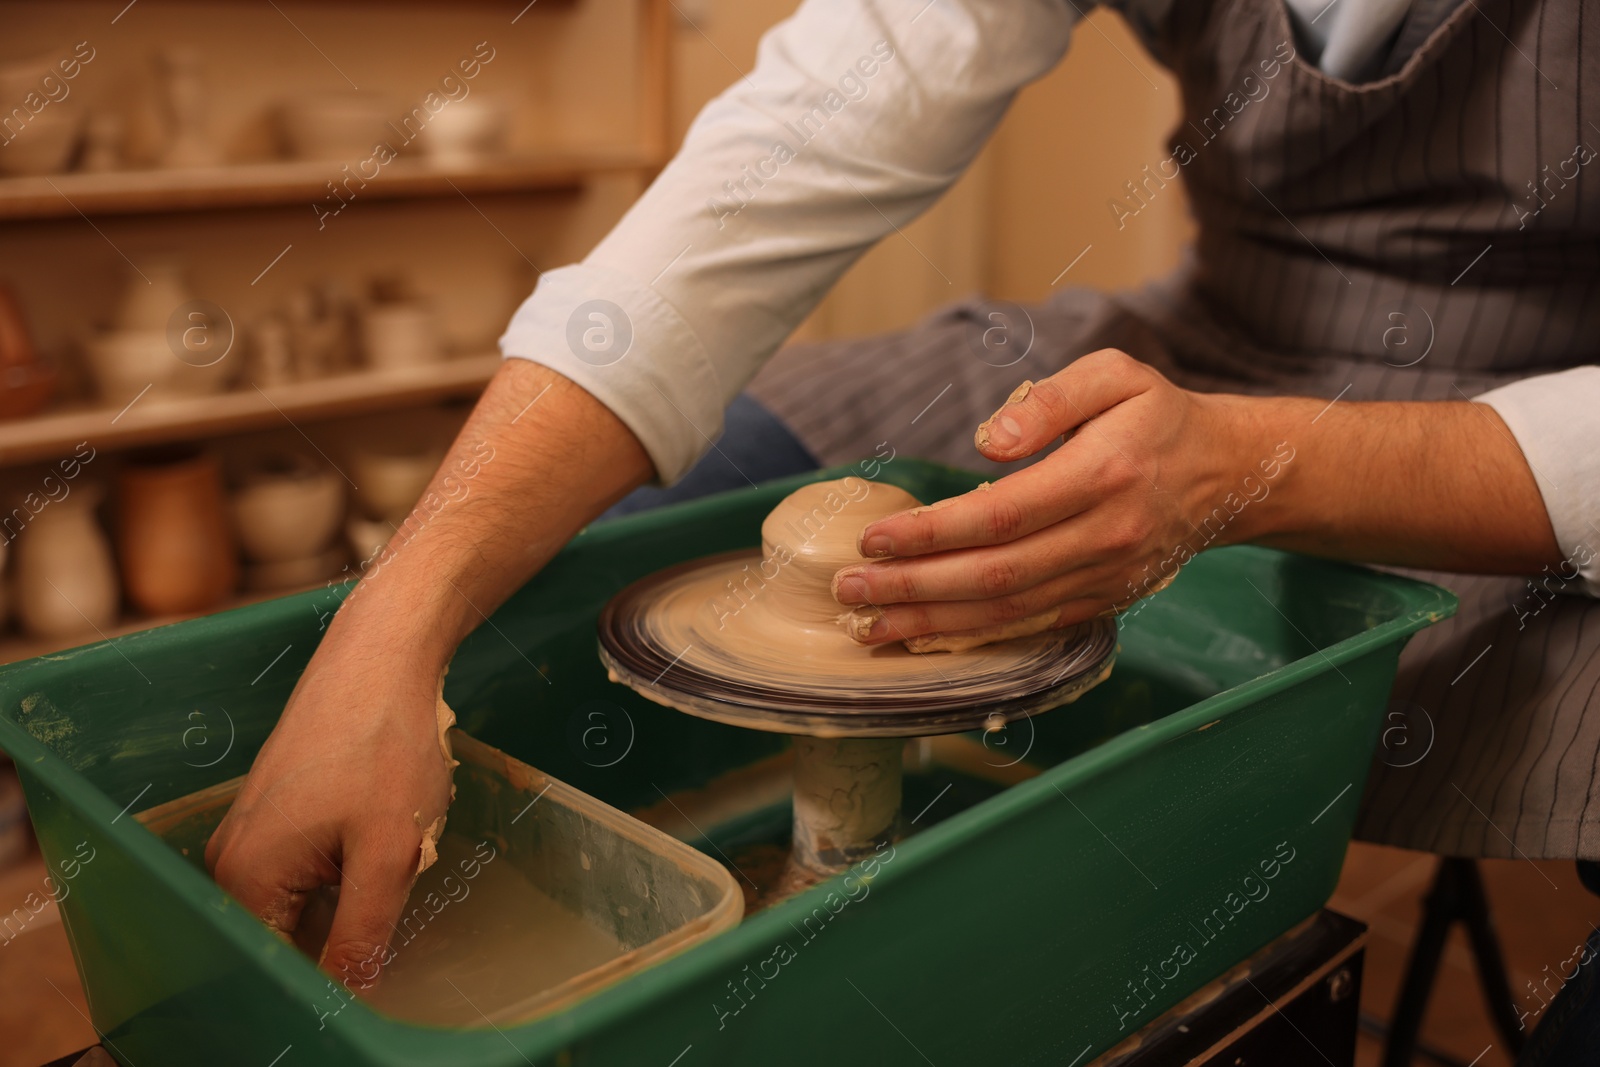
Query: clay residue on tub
[{"x": 44, "y": 722}]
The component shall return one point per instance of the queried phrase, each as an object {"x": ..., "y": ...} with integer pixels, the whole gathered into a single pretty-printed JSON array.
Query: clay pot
[
  {"x": 296, "y": 573},
  {"x": 184, "y": 96},
  {"x": 142, "y": 351},
  {"x": 467, "y": 132},
  {"x": 390, "y": 481},
  {"x": 46, "y": 142},
  {"x": 401, "y": 336},
  {"x": 366, "y": 537},
  {"x": 174, "y": 537},
  {"x": 286, "y": 511},
  {"x": 149, "y": 299},
  {"x": 26, "y": 382},
  {"x": 65, "y": 584},
  {"x": 339, "y": 129},
  {"x": 287, "y": 508}
]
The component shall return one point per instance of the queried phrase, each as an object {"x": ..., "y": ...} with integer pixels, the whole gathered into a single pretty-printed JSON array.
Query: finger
[
  {"x": 1067, "y": 483},
  {"x": 981, "y": 573},
  {"x": 1038, "y": 413},
  {"x": 962, "y": 640},
  {"x": 377, "y": 879},
  {"x": 898, "y": 622},
  {"x": 269, "y": 873}
]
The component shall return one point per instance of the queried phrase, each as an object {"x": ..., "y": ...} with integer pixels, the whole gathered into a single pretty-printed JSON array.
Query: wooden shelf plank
[
  {"x": 148, "y": 421},
  {"x": 137, "y": 192},
  {"x": 15, "y": 647}
]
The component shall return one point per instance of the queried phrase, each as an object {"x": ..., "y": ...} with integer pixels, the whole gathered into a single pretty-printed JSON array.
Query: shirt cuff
[
  {"x": 1555, "y": 419},
  {"x": 630, "y": 349}
]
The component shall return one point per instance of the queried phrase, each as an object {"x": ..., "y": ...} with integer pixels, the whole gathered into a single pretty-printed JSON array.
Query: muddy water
[{"x": 473, "y": 947}]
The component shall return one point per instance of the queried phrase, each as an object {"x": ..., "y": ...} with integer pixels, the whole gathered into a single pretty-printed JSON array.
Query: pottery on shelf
[
  {"x": 366, "y": 537},
  {"x": 270, "y": 357},
  {"x": 151, "y": 296},
  {"x": 174, "y": 537},
  {"x": 390, "y": 481},
  {"x": 295, "y": 573},
  {"x": 401, "y": 336},
  {"x": 337, "y": 128},
  {"x": 138, "y": 351},
  {"x": 103, "y": 143},
  {"x": 467, "y": 132},
  {"x": 65, "y": 584},
  {"x": 124, "y": 362},
  {"x": 286, "y": 512},
  {"x": 321, "y": 330},
  {"x": 46, "y": 141},
  {"x": 183, "y": 99},
  {"x": 26, "y": 382}
]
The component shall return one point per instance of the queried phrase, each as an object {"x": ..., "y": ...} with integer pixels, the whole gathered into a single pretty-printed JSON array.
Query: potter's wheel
[
  {"x": 666, "y": 638},
  {"x": 757, "y": 640}
]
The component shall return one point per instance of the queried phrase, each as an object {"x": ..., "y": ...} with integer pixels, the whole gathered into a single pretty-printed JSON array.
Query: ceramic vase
[
  {"x": 150, "y": 298},
  {"x": 183, "y": 99},
  {"x": 174, "y": 538},
  {"x": 64, "y": 583},
  {"x": 271, "y": 354}
]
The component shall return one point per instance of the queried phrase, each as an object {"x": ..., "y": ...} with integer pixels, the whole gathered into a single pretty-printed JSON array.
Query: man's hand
[
  {"x": 341, "y": 791},
  {"x": 1149, "y": 475},
  {"x": 339, "y": 795},
  {"x": 1067, "y": 535}
]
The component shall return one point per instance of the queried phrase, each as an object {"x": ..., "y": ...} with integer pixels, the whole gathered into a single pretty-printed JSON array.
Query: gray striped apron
[{"x": 1418, "y": 237}]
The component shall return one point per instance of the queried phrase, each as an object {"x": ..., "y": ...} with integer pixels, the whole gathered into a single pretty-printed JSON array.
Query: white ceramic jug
[{"x": 65, "y": 581}]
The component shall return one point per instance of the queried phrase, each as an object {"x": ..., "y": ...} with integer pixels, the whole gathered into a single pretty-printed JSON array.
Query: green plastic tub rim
[{"x": 298, "y": 976}]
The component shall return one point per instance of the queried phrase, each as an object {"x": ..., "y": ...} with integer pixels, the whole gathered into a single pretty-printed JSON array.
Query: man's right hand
[
  {"x": 341, "y": 792},
  {"x": 340, "y": 795}
]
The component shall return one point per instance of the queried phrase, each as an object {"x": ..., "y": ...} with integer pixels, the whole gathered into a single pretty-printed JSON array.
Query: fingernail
[
  {"x": 850, "y": 587},
  {"x": 876, "y": 546},
  {"x": 1004, "y": 432},
  {"x": 863, "y": 626}
]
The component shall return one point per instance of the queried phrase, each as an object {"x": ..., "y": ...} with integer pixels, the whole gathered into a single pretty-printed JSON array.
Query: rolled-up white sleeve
[
  {"x": 1556, "y": 421},
  {"x": 858, "y": 115}
]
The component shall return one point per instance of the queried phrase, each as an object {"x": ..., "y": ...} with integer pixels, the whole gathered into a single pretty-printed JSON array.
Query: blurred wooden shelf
[
  {"x": 143, "y": 192},
  {"x": 148, "y": 421},
  {"x": 15, "y": 647}
]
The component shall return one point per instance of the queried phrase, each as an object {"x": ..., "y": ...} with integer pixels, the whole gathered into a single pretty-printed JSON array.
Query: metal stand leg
[{"x": 1457, "y": 896}]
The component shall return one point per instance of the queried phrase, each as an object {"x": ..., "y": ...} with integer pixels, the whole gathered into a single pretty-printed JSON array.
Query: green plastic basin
[{"x": 1193, "y": 807}]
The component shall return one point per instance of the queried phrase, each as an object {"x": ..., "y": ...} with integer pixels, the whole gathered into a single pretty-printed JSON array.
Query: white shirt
[{"x": 858, "y": 115}]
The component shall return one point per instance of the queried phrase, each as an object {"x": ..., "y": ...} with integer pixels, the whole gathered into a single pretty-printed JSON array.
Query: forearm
[
  {"x": 850, "y": 125},
  {"x": 1439, "y": 485},
  {"x": 537, "y": 459}
]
